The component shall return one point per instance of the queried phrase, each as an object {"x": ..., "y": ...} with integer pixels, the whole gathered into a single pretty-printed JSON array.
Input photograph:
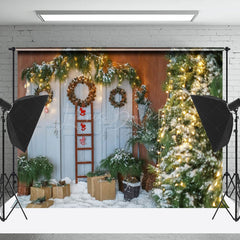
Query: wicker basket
[
  {"x": 23, "y": 189},
  {"x": 131, "y": 190}
]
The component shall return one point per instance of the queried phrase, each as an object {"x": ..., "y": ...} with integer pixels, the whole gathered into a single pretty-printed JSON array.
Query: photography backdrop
[{"x": 167, "y": 75}]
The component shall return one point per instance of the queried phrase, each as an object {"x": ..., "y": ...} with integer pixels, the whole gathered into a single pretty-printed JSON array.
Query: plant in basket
[
  {"x": 125, "y": 164},
  {"x": 25, "y": 174},
  {"x": 31, "y": 171},
  {"x": 42, "y": 169}
]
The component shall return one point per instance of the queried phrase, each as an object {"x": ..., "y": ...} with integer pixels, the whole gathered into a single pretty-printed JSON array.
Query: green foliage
[
  {"x": 122, "y": 162},
  {"x": 98, "y": 172},
  {"x": 33, "y": 169},
  {"x": 146, "y": 133},
  {"x": 39, "y": 200},
  {"x": 24, "y": 167},
  {"x": 216, "y": 87},
  {"x": 60, "y": 66},
  {"x": 108, "y": 179},
  {"x": 189, "y": 173},
  {"x": 41, "y": 168},
  {"x": 141, "y": 96},
  {"x": 37, "y": 184}
]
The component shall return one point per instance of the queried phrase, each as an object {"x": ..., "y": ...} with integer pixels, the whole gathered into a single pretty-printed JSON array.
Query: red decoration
[
  {"x": 82, "y": 112},
  {"x": 46, "y": 109},
  {"x": 83, "y": 141},
  {"x": 83, "y": 126}
]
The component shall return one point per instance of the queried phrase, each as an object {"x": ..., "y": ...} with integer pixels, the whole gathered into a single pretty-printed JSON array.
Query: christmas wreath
[
  {"x": 46, "y": 89},
  {"x": 121, "y": 92},
  {"x": 71, "y": 91}
]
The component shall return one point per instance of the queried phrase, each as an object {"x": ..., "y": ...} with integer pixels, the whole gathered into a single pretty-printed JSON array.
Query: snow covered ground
[{"x": 81, "y": 199}]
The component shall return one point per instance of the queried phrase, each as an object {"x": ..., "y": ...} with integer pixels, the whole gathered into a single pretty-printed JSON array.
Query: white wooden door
[
  {"x": 115, "y": 130},
  {"x": 46, "y": 137},
  {"x": 110, "y": 126},
  {"x": 54, "y": 136}
]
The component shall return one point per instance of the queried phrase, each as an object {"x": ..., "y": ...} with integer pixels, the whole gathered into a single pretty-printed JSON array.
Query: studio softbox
[
  {"x": 216, "y": 118},
  {"x": 22, "y": 119}
]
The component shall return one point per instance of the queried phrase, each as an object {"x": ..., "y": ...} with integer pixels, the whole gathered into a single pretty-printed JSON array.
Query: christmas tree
[{"x": 189, "y": 173}]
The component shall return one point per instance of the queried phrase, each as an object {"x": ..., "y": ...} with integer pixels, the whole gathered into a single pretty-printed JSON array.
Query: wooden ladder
[{"x": 83, "y": 135}]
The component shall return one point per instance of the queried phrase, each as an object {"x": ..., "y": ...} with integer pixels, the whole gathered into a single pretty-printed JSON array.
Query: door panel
[
  {"x": 46, "y": 137},
  {"x": 54, "y": 136}
]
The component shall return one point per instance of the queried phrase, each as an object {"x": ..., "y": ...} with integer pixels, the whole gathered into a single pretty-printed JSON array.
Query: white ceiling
[{"x": 211, "y": 12}]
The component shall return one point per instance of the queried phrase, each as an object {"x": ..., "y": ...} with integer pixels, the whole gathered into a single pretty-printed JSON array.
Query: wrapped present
[
  {"x": 61, "y": 191},
  {"x": 44, "y": 204},
  {"x": 91, "y": 182},
  {"x": 105, "y": 189},
  {"x": 40, "y": 192}
]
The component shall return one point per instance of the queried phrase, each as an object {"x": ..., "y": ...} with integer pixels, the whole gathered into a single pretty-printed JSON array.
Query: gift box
[
  {"x": 105, "y": 190},
  {"x": 40, "y": 192},
  {"x": 45, "y": 204},
  {"x": 91, "y": 183},
  {"x": 61, "y": 191}
]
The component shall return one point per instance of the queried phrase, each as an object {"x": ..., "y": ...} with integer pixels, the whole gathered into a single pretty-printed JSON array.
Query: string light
[
  {"x": 185, "y": 126},
  {"x": 182, "y": 184}
]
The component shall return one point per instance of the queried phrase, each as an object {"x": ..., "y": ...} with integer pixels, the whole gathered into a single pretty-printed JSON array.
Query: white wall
[{"x": 118, "y": 36}]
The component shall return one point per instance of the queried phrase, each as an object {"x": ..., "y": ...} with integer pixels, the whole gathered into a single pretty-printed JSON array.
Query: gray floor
[{"x": 119, "y": 236}]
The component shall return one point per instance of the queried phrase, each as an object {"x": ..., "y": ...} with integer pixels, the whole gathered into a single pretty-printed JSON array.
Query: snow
[
  {"x": 80, "y": 198},
  {"x": 67, "y": 180}
]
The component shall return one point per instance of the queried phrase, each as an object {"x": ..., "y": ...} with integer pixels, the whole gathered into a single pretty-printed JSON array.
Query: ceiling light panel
[{"x": 117, "y": 16}]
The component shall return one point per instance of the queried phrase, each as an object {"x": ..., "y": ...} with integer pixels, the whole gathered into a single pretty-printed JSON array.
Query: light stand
[
  {"x": 4, "y": 177},
  {"x": 217, "y": 121},
  {"x": 22, "y": 119},
  {"x": 226, "y": 174},
  {"x": 13, "y": 174},
  {"x": 234, "y": 180}
]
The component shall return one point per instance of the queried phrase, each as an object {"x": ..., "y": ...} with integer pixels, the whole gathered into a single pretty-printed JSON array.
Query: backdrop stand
[
  {"x": 226, "y": 174},
  {"x": 13, "y": 176},
  {"x": 4, "y": 177},
  {"x": 234, "y": 180}
]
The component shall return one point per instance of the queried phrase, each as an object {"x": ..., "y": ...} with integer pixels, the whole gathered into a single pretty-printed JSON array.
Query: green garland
[
  {"x": 60, "y": 66},
  {"x": 46, "y": 89}
]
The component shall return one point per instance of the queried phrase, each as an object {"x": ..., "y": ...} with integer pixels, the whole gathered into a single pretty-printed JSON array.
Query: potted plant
[
  {"x": 42, "y": 169},
  {"x": 25, "y": 174},
  {"x": 145, "y": 134},
  {"x": 41, "y": 173},
  {"x": 125, "y": 164},
  {"x": 131, "y": 182},
  {"x": 32, "y": 170}
]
